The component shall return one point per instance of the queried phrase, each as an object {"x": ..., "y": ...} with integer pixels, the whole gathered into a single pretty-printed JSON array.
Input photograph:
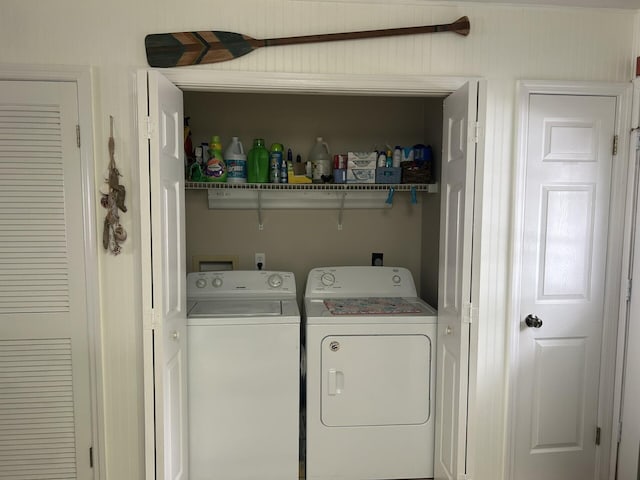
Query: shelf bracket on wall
[
  {"x": 343, "y": 197},
  {"x": 260, "y": 225}
]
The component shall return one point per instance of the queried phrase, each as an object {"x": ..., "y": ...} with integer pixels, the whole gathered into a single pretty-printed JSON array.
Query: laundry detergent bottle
[
  {"x": 320, "y": 161},
  {"x": 258, "y": 163},
  {"x": 236, "y": 161},
  {"x": 216, "y": 170}
]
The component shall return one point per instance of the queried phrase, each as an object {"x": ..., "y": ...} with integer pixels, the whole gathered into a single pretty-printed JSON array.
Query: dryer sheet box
[{"x": 361, "y": 167}]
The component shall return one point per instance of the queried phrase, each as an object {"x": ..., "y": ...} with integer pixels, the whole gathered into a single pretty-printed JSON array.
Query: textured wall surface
[{"x": 507, "y": 43}]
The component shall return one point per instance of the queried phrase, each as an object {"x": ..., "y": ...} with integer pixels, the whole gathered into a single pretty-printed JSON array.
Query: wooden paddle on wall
[{"x": 193, "y": 48}]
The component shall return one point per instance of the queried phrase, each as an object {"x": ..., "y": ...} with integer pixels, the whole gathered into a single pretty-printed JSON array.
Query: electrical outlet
[
  {"x": 376, "y": 259},
  {"x": 260, "y": 261}
]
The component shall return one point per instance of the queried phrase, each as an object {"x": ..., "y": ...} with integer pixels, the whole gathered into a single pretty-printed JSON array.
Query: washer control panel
[
  {"x": 240, "y": 283},
  {"x": 360, "y": 281}
]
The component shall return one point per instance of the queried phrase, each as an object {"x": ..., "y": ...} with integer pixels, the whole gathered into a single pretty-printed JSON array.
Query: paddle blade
[
  {"x": 462, "y": 26},
  {"x": 192, "y": 48}
]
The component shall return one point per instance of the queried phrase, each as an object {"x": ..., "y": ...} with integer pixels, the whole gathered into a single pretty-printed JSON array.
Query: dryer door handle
[{"x": 335, "y": 382}]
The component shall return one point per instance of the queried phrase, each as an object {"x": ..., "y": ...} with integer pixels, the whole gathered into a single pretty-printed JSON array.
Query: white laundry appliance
[
  {"x": 370, "y": 379},
  {"x": 243, "y": 375}
]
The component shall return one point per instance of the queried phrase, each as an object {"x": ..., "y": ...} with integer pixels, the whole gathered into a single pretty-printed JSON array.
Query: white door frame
[
  {"x": 395, "y": 85},
  {"x": 82, "y": 77},
  {"x": 630, "y": 259},
  {"x": 608, "y": 414}
]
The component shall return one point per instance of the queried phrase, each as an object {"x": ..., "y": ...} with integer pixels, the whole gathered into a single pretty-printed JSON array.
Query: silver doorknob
[{"x": 533, "y": 321}]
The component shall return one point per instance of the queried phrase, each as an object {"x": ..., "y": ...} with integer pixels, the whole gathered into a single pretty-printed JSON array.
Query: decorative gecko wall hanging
[{"x": 113, "y": 233}]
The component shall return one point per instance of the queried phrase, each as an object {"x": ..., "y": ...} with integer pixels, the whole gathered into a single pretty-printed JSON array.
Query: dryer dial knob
[
  {"x": 275, "y": 281},
  {"x": 327, "y": 279},
  {"x": 396, "y": 279},
  {"x": 201, "y": 283},
  {"x": 217, "y": 282}
]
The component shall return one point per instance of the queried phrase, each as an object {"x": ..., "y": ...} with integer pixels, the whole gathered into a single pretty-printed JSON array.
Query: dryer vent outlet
[{"x": 376, "y": 259}]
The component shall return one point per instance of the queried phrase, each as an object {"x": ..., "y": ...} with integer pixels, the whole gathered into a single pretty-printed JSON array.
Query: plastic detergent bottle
[
  {"x": 258, "y": 163},
  {"x": 236, "y": 161},
  {"x": 216, "y": 170},
  {"x": 320, "y": 160}
]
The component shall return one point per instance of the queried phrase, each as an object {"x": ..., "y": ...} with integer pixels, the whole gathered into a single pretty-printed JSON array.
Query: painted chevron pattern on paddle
[{"x": 193, "y": 48}]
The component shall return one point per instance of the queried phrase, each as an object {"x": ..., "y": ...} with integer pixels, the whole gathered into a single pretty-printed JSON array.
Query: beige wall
[
  {"x": 507, "y": 43},
  {"x": 295, "y": 240}
]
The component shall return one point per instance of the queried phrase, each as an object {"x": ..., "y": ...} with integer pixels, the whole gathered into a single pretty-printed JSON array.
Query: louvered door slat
[
  {"x": 31, "y": 159},
  {"x": 36, "y": 409}
]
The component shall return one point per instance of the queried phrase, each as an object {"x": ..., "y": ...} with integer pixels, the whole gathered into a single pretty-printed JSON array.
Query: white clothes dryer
[
  {"x": 370, "y": 346},
  {"x": 243, "y": 375}
]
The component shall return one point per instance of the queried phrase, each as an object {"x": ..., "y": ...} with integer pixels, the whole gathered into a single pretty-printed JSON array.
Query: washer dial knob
[
  {"x": 328, "y": 279},
  {"x": 201, "y": 283},
  {"x": 217, "y": 282},
  {"x": 396, "y": 279},
  {"x": 274, "y": 281}
]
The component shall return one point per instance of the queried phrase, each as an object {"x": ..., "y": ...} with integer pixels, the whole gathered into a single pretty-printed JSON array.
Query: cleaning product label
[
  {"x": 236, "y": 170},
  {"x": 215, "y": 169}
]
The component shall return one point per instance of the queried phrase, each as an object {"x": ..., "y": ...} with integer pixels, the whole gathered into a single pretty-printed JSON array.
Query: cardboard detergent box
[
  {"x": 361, "y": 175},
  {"x": 361, "y": 160},
  {"x": 361, "y": 167}
]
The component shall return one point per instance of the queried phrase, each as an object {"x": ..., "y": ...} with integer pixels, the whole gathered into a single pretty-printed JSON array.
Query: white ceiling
[{"x": 631, "y": 4}]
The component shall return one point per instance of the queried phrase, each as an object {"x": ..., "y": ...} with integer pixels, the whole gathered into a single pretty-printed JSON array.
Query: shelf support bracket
[
  {"x": 344, "y": 196},
  {"x": 260, "y": 224}
]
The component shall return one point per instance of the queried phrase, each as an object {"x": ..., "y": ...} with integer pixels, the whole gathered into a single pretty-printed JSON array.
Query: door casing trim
[
  {"x": 608, "y": 414},
  {"x": 82, "y": 76}
]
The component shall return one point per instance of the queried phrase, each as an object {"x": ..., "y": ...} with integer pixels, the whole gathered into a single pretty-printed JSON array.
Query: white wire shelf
[
  {"x": 349, "y": 187},
  {"x": 264, "y": 196}
]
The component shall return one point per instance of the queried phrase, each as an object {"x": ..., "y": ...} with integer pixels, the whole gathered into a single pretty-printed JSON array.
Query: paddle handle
[{"x": 460, "y": 26}]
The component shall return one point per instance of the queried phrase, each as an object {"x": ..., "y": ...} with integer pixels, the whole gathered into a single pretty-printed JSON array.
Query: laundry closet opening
[{"x": 299, "y": 239}]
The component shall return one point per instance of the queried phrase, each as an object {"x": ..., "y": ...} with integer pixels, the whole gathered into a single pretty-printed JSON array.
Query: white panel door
[
  {"x": 165, "y": 298},
  {"x": 454, "y": 284},
  {"x": 45, "y": 411},
  {"x": 568, "y": 174}
]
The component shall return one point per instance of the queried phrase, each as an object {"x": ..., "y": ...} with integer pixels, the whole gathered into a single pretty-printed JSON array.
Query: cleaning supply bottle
[
  {"x": 216, "y": 170},
  {"x": 320, "y": 161},
  {"x": 275, "y": 162},
  {"x": 236, "y": 161},
  {"x": 258, "y": 163}
]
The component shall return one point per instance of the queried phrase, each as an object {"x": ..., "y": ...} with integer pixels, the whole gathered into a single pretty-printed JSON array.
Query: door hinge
[
  {"x": 615, "y": 145},
  {"x": 149, "y": 127},
  {"x": 619, "y": 432},
  {"x": 91, "y": 457},
  {"x": 78, "y": 135},
  {"x": 598, "y": 431},
  {"x": 629, "y": 285},
  {"x": 469, "y": 313},
  {"x": 475, "y": 138}
]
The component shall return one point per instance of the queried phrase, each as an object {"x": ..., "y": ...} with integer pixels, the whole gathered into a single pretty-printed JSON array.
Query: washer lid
[
  {"x": 220, "y": 312},
  {"x": 246, "y": 308}
]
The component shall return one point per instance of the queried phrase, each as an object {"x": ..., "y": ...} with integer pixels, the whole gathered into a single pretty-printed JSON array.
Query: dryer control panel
[{"x": 360, "y": 281}]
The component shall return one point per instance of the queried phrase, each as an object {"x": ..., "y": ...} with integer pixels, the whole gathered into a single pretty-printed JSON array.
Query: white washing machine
[
  {"x": 370, "y": 348},
  {"x": 243, "y": 375}
]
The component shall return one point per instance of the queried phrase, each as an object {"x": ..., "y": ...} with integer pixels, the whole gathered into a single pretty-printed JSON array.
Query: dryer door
[{"x": 373, "y": 380}]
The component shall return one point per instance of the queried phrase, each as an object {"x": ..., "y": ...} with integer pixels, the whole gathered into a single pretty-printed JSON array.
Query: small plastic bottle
[
  {"x": 275, "y": 162},
  {"x": 258, "y": 163}
]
